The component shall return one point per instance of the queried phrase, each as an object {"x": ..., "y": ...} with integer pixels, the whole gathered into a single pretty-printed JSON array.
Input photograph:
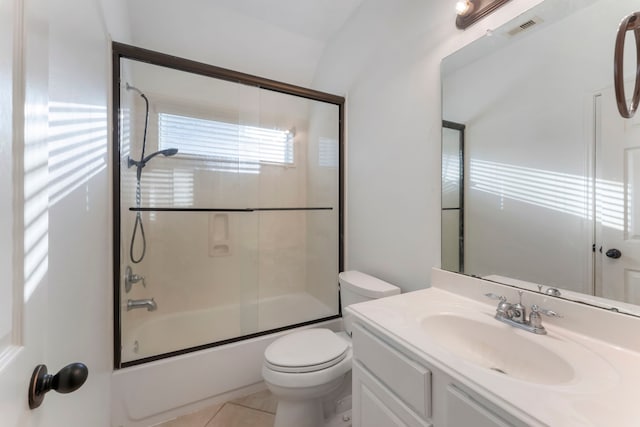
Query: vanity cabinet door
[
  {"x": 408, "y": 380},
  {"x": 375, "y": 406},
  {"x": 465, "y": 410}
]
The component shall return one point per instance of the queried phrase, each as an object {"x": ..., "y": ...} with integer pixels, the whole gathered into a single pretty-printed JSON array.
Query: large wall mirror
[{"x": 551, "y": 169}]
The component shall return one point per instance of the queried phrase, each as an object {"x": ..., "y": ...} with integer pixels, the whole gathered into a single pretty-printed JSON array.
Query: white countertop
[{"x": 602, "y": 392}]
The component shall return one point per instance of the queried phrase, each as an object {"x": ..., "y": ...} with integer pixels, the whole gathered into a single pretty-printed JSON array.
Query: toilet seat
[{"x": 304, "y": 351}]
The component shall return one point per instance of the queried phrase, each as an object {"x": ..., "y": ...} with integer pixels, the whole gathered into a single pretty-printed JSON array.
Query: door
[
  {"x": 617, "y": 201},
  {"x": 22, "y": 298},
  {"x": 54, "y": 283}
]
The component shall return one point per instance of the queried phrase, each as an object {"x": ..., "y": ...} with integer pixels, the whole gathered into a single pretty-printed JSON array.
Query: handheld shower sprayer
[{"x": 140, "y": 164}]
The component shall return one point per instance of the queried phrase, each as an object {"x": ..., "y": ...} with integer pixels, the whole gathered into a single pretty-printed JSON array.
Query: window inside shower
[{"x": 227, "y": 205}]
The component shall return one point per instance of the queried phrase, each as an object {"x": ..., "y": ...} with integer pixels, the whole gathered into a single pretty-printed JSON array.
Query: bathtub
[{"x": 154, "y": 392}]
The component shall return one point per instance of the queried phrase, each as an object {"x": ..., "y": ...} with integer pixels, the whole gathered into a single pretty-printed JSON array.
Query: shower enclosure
[{"x": 227, "y": 205}]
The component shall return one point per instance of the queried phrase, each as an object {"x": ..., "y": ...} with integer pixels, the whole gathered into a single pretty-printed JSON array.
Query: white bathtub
[{"x": 150, "y": 393}]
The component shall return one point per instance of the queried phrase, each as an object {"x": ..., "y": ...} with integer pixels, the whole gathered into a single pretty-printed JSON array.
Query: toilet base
[
  {"x": 343, "y": 419},
  {"x": 299, "y": 414},
  {"x": 309, "y": 415}
]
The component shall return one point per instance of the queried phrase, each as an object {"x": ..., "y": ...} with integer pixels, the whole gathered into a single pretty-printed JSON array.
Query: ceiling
[
  {"x": 279, "y": 39},
  {"x": 315, "y": 19}
]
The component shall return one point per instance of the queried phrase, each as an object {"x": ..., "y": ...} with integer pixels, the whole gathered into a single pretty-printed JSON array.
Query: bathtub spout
[{"x": 149, "y": 304}]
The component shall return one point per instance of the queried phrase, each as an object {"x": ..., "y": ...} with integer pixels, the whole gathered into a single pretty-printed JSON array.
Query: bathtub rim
[
  {"x": 227, "y": 341},
  {"x": 140, "y": 395}
]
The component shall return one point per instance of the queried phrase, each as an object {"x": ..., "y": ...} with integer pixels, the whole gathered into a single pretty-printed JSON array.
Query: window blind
[{"x": 225, "y": 141}]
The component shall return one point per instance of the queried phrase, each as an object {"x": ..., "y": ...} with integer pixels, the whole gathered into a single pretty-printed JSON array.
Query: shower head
[
  {"x": 142, "y": 163},
  {"x": 167, "y": 153}
]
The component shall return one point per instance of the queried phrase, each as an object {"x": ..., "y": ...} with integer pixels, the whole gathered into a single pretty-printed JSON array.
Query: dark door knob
[
  {"x": 613, "y": 253},
  {"x": 68, "y": 379}
]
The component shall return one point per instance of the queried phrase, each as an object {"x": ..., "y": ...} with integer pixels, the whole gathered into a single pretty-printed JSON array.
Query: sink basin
[{"x": 498, "y": 348}]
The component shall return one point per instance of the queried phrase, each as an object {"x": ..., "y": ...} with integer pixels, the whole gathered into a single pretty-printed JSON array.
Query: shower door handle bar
[
  {"x": 143, "y": 209},
  {"x": 629, "y": 23}
]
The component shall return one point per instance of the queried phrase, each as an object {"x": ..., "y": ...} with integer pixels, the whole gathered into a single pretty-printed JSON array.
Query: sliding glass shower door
[{"x": 228, "y": 209}]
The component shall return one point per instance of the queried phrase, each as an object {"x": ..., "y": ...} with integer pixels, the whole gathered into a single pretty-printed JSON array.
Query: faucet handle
[
  {"x": 130, "y": 278},
  {"x": 536, "y": 309},
  {"x": 494, "y": 296}
]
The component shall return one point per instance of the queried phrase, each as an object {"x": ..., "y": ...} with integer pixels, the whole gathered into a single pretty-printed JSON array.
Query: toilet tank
[{"x": 358, "y": 287}]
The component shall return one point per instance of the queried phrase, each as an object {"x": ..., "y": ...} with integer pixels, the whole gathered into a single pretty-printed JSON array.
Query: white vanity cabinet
[
  {"x": 389, "y": 388},
  {"x": 394, "y": 387},
  {"x": 465, "y": 408}
]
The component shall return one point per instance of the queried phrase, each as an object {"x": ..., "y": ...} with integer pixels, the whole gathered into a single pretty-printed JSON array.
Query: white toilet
[{"x": 304, "y": 367}]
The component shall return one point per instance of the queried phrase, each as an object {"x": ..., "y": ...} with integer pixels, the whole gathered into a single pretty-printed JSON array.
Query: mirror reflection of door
[
  {"x": 617, "y": 208},
  {"x": 452, "y": 196}
]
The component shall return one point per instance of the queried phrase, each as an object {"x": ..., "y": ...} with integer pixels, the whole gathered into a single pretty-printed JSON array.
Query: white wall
[
  {"x": 386, "y": 60},
  {"x": 79, "y": 221}
]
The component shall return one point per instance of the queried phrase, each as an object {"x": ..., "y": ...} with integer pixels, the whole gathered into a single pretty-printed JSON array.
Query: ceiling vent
[{"x": 525, "y": 26}]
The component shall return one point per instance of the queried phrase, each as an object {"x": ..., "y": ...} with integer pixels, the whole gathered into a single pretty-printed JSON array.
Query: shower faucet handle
[{"x": 130, "y": 279}]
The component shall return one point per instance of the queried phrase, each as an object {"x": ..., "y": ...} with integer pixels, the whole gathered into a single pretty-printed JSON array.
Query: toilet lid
[{"x": 306, "y": 351}]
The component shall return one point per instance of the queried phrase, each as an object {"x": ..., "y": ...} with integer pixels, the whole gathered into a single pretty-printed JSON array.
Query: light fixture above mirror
[{"x": 470, "y": 11}]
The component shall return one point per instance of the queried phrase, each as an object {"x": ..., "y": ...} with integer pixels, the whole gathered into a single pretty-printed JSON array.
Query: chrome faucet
[
  {"x": 516, "y": 314},
  {"x": 149, "y": 304}
]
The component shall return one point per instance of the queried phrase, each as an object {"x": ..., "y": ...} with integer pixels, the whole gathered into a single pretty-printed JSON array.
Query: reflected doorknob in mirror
[
  {"x": 613, "y": 253},
  {"x": 67, "y": 380}
]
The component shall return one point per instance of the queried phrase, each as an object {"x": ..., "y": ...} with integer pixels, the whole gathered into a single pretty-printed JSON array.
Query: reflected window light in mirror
[
  {"x": 560, "y": 192},
  {"x": 450, "y": 172}
]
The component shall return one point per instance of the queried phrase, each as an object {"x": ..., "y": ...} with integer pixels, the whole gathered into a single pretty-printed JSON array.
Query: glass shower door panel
[
  {"x": 185, "y": 227},
  {"x": 229, "y": 210},
  {"x": 298, "y": 247},
  {"x": 298, "y": 264},
  {"x": 201, "y": 271}
]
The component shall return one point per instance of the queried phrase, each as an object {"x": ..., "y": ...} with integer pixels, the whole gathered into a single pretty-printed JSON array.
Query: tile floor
[{"x": 255, "y": 410}]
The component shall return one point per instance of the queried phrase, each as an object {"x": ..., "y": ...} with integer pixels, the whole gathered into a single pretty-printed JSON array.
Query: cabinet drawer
[
  {"x": 466, "y": 409},
  {"x": 375, "y": 406},
  {"x": 410, "y": 381}
]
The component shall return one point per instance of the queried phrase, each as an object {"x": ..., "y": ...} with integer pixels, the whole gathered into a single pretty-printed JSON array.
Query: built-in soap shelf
[{"x": 219, "y": 244}]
